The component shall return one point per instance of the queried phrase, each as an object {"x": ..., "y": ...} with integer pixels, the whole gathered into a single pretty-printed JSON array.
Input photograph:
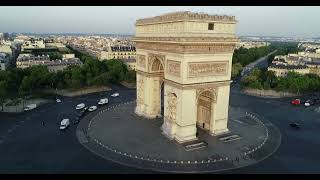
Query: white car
[
  {"x": 80, "y": 106},
  {"x": 64, "y": 124},
  {"x": 30, "y": 107},
  {"x": 92, "y": 108},
  {"x": 103, "y": 101},
  {"x": 308, "y": 103},
  {"x": 58, "y": 100},
  {"x": 115, "y": 94}
]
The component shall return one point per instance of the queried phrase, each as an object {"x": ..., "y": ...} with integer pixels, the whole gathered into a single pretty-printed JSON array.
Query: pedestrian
[{"x": 43, "y": 123}]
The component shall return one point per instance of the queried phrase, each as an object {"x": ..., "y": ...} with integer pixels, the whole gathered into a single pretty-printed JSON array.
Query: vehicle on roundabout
[
  {"x": 77, "y": 120},
  {"x": 64, "y": 124},
  {"x": 308, "y": 103},
  {"x": 58, "y": 100},
  {"x": 80, "y": 106},
  {"x": 103, "y": 101},
  {"x": 115, "y": 95},
  {"x": 296, "y": 102},
  {"x": 30, "y": 107},
  {"x": 295, "y": 125},
  {"x": 92, "y": 108}
]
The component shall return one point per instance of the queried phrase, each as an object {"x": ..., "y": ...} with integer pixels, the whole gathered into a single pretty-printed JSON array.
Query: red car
[{"x": 296, "y": 102}]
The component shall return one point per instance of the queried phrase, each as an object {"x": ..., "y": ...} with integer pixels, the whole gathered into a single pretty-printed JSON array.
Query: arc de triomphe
[{"x": 190, "y": 54}]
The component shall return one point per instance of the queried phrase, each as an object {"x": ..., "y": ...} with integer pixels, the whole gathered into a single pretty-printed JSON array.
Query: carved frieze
[
  {"x": 172, "y": 107},
  {"x": 155, "y": 67},
  {"x": 141, "y": 60},
  {"x": 214, "y": 68},
  {"x": 173, "y": 68},
  {"x": 192, "y": 48},
  {"x": 205, "y": 103},
  {"x": 209, "y": 92},
  {"x": 187, "y": 39}
]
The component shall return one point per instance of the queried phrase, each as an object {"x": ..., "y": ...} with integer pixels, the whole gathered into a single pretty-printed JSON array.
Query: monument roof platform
[{"x": 186, "y": 16}]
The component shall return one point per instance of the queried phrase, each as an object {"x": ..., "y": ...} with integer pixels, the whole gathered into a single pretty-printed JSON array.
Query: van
[
  {"x": 30, "y": 107},
  {"x": 103, "y": 101},
  {"x": 64, "y": 124}
]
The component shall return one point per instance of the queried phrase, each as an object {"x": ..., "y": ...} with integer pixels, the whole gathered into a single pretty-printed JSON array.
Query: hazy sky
[{"x": 272, "y": 20}]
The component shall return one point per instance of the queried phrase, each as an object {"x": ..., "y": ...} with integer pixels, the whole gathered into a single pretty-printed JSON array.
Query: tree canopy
[
  {"x": 23, "y": 82},
  {"x": 293, "y": 82}
]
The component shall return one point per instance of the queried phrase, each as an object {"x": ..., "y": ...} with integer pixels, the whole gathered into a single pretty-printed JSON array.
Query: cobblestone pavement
[{"x": 117, "y": 134}]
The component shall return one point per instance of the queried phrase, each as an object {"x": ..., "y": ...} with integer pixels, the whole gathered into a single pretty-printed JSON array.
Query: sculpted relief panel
[
  {"x": 172, "y": 107},
  {"x": 173, "y": 68},
  {"x": 207, "y": 92},
  {"x": 207, "y": 69},
  {"x": 140, "y": 91},
  {"x": 141, "y": 60}
]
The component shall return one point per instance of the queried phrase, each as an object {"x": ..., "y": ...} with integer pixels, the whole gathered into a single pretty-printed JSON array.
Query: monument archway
[
  {"x": 149, "y": 87},
  {"x": 205, "y": 108},
  {"x": 191, "y": 55}
]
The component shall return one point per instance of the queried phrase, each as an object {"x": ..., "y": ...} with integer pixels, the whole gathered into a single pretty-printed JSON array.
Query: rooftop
[
  {"x": 281, "y": 66},
  {"x": 185, "y": 16}
]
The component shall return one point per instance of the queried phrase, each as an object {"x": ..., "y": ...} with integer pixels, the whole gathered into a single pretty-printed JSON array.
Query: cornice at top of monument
[{"x": 185, "y": 16}]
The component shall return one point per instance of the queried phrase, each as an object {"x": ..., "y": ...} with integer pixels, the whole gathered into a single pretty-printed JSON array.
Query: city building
[
  {"x": 102, "y": 47},
  {"x": 251, "y": 44},
  {"x": 130, "y": 63},
  {"x": 33, "y": 44},
  {"x": 28, "y": 60},
  {"x": 119, "y": 52},
  {"x": 282, "y": 70},
  {"x": 4, "y": 61},
  {"x": 6, "y": 48},
  {"x": 300, "y": 63},
  {"x": 55, "y": 45},
  {"x": 67, "y": 56}
]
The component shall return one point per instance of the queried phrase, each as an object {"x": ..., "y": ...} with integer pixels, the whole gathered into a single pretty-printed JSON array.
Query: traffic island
[{"x": 116, "y": 133}]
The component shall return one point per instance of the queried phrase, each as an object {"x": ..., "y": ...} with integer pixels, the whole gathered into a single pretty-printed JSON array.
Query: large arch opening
[
  {"x": 205, "y": 110},
  {"x": 158, "y": 68},
  {"x": 162, "y": 98}
]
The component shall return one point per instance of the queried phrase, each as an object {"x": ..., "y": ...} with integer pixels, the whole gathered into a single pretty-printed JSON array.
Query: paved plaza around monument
[{"x": 116, "y": 133}]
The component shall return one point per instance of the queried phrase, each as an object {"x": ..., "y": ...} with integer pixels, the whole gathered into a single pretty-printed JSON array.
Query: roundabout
[{"x": 116, "y": 133}]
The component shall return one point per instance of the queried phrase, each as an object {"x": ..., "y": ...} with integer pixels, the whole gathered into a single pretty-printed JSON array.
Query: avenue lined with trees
[
  {"x": 293, "y": 82},
  {"x": 243, "y": 57}
]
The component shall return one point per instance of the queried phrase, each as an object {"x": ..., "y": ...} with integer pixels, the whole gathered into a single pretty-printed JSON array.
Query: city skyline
[{"x": 252, "y": 21}]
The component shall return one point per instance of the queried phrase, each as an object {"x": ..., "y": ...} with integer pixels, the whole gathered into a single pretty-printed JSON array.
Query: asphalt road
[
  {"x": 26, "y": 146},
  {"x": 259, "y": 63}
]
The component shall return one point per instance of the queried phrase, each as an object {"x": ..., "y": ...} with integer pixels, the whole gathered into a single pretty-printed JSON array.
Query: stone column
[
  {"x": 219, "y": 123},
  {"x": 148, "y": 96},
  {"x": 186, "y": 121}
]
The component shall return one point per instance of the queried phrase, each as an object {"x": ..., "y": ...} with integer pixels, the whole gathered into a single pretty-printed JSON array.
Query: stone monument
[{"x": 190, "y": 54}]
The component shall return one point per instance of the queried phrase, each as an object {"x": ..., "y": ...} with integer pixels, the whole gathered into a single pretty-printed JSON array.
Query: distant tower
[{"x": 191, "y": 53}]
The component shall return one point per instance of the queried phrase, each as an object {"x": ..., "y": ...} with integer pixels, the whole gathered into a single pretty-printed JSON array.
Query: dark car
[
  {"x": 81, "y": 114},
  {"x": 295, "y": 125},
  {"x": 77, "y": 120}
]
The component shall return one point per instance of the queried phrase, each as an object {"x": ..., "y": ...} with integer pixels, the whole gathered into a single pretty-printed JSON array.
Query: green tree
[
  {"x": 236, "y": 69},
  {"x": 3, "y": 92}
]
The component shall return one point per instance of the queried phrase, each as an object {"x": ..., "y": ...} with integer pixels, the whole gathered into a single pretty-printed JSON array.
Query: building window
[{"x": 211, "y": 26}]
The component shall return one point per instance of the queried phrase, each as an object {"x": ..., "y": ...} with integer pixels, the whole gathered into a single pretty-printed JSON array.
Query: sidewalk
[
  {"x": 83, "y": 91},
  {"x": 19, "y": 107}
]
